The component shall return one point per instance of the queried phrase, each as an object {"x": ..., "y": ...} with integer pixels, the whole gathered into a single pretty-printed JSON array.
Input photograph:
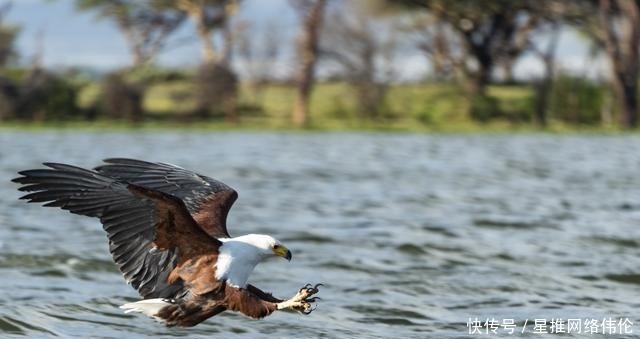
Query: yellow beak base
[{"x": 282, "y": 251}]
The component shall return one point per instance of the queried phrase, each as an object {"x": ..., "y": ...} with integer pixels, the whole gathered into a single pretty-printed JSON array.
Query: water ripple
[{"x": 413, "y": 234}]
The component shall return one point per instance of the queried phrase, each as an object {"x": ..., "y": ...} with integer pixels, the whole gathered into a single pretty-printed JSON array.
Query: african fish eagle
[{"x": 168, "y": 236}]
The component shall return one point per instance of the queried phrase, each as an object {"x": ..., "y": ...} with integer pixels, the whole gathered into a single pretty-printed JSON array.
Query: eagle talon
[
  {"x": 305, "y": 287},
  {"x": 308, "y": 311},
  {"x": 301, "y": 302},
  {"x": 305, "y": 292},
  {"x": 312, "y": 290}
]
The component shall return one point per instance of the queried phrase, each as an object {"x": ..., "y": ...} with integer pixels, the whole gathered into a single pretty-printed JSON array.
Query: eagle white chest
[{"x": 236, "y": 261}]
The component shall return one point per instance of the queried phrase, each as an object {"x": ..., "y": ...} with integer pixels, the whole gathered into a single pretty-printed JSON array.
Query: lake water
[{"x": 412, "y": 234}]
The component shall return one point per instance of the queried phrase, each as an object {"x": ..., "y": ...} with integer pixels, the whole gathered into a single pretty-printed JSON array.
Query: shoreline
[{"x": 498, "y": 127}]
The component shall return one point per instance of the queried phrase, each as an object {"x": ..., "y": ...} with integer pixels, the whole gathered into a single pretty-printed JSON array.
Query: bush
[
  {"x": 577, "y": 100},
  {"x": 484, "y": 108},
  {"x": 9, "y": 94},
  {"x": 152, "y": 74},
  {"x": 120, "y": 98},
  {"x": 46, "y": 96},
  {"x": 371, "y": 99},
  {"x": 216, "y": 92}
]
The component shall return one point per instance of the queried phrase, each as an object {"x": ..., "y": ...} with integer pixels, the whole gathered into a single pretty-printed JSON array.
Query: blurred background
[{"x": 331, "y": 64}]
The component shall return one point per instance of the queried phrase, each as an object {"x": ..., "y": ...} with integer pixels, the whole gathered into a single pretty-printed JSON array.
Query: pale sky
[{"x": 78, "y": 39}]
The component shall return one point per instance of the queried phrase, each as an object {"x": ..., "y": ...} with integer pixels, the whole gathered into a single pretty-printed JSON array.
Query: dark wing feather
[
  {"x": 149, "y": 232},
  {"x": 265, "y": 296},
  {"x": 207, "y": 199}
]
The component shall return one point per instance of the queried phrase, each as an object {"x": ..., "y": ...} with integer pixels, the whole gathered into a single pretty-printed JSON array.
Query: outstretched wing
[
  {"x": 207, "y": 199},
  {"x": 150, "y": 233}
]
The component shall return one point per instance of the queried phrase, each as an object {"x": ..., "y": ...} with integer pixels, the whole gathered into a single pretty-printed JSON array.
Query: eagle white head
[
  {"x": 239, "y": 256},
  {"x": 263, "y": 245}
]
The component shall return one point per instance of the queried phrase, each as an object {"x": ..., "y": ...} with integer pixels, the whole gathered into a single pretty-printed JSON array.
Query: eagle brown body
[{"x": 164, "y": 225}]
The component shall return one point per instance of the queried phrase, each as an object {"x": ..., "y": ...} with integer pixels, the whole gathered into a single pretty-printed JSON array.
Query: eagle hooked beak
[{"x": 282, "y": 251}]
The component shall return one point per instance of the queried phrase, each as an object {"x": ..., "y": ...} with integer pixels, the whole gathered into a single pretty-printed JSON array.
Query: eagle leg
[{"x": 301, "y": 302}]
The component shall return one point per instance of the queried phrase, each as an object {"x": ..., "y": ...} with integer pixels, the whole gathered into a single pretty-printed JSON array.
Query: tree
[
  {"x": 144, "y": 24},
  {"x": 620, "y": 24},
  {"x": 257, "y": 53},
  {"x": 362, "y": 47},
  {"x": 210, "y": 16},
  {"x": 544, "y": 85},
  {"x": 614, "y": 27},
  {"x": 553, "y": 14},
  {"x": 311, "y": 14},
  {"x": 120, "y": 98},
  {"x": 8, "y": 35},
  {"x": 438, "y": 42},
  {"x": 491, "y": 32},
  {"x": 216, "y": 92},
  {"x": 9, "y": 89},
  {"x": 216, "y": 83},
  {"x": 488, "y": 34}
]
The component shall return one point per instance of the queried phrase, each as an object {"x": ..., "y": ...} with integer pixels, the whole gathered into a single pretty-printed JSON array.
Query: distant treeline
[
  {"x": 162, "y": 95},
  {"x": 472, "y": 47}
]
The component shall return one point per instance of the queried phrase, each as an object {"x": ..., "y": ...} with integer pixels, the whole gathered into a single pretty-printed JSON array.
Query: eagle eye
[{"x": 276, "y": 246}]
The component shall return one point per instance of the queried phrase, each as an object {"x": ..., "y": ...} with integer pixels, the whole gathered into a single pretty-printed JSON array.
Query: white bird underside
[{"x": 239, "y": 256}]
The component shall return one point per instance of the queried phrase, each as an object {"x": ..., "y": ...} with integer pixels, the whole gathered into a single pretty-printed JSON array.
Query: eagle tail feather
[{"x": 150, "y": 307}]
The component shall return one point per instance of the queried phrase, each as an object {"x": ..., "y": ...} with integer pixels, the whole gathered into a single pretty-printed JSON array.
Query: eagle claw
[
  {"x": 309, "y": 289},
  {"x": 308, "y": 311},
  {"x": 301, "y": 302}
]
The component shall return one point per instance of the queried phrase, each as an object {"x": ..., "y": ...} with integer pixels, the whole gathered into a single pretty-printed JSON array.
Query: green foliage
[
  {"x": 175, "y": 97},
  {"x": 152, "y": 74},
  {"x": 15, "y": 74},
  {"x": 8, "y": 98},
  {"x": 216, "y": 92},
  {"x": 515, "y": 103},
  {"x": 577, "y": 100},
  {"x": 334, "y": 106},
  {"x": 430, "y": 104},
  {"x": 484, "y": 108},
  {"x": 8, "y": 36},
  {"x": 107, "y": 9},
  {"x": 47, "y": 96},
  {"x": 120, "y": 98}
]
